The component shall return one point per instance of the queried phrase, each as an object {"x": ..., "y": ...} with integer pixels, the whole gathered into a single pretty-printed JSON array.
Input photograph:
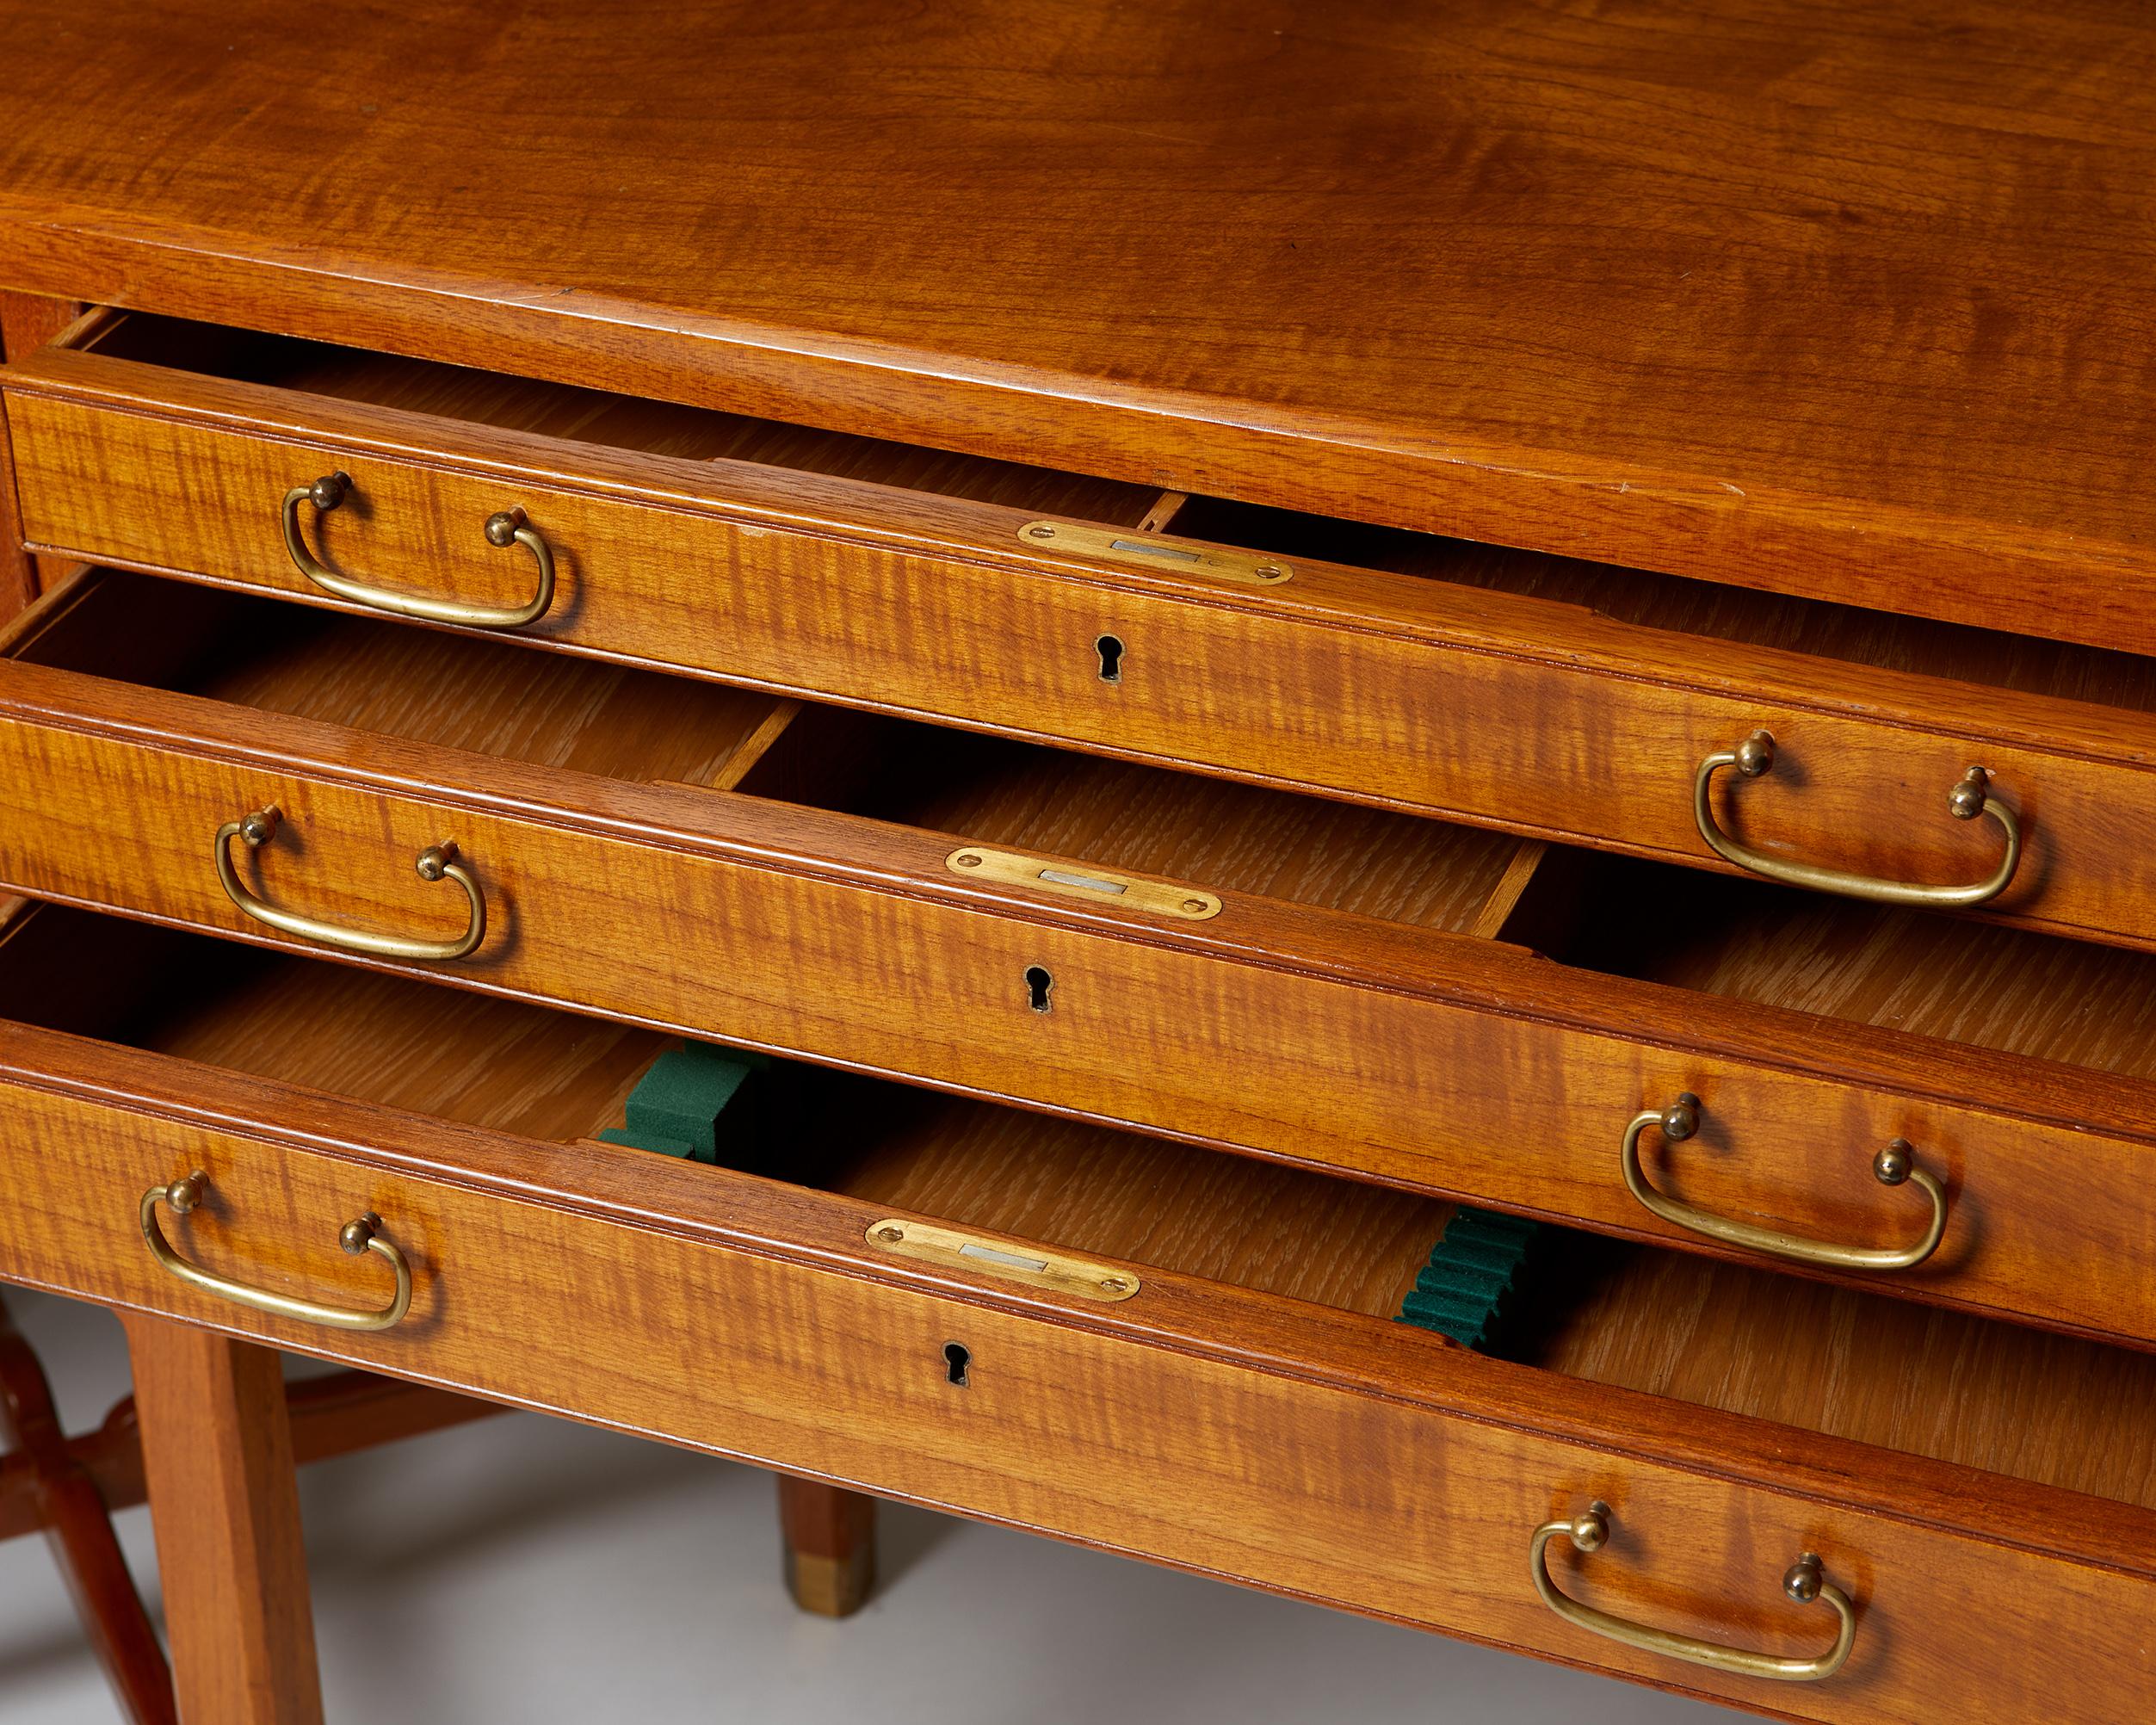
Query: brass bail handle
[
  {"x": 361, "y": 1236},
  {"x": 1895, "y": 1165},
  {"x": 501, "y": 530},
  {"x": 435, "y": 863},
  {"x": 1970, "y": 797},
  {"x": 1805, "y": 1581}
]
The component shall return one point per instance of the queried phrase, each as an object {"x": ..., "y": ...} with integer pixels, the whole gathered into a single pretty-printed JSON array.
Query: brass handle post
[
  {"x": 1895, "y": 1166},
  {"x": 506, "y": 528},
  {"x": 360, "y": 1235},
  {"x": 1970, "y": 797},
  {"x": 435, "y": 863},
  {"x": 1805, "y": 1581}
]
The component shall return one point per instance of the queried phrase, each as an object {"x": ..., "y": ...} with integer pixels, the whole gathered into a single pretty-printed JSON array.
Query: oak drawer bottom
[{"x": 1244, "y": 1411}]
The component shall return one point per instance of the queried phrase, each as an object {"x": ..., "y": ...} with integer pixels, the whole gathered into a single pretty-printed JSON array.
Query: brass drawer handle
[
  {"x": 1805, "y": 1582},
  {"x": 435, "y": 863},
  {"x": 507, "y": 528},
  {"x": 1970, "y": 798},
  {"x": 1895, "y": 1165},
  {"x": 359, "y": 1235}
]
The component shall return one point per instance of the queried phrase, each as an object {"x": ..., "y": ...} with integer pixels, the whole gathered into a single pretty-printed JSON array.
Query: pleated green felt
[{"x": 1474, "y": 1271}]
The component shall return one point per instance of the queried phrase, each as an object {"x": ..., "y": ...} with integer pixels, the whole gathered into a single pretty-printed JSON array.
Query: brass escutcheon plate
[
  {"x": 1011, "y": 1260},
  {"x": 1158, "y": 552},
  {"x": 1074, "y": 880}
]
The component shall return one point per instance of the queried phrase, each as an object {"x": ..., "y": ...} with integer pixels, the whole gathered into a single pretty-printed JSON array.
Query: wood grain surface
[
  {"x": 225, "y": 1501},
  {"x": 1322, "y": 1453},
  {"x": 1396, "y": 1052},
  {"x": 1994, "y": 1397},
  {"x": 1832, "y": 301},
  {"x": 1447, "y": 679},
  {"x": 27, "y": 323}
]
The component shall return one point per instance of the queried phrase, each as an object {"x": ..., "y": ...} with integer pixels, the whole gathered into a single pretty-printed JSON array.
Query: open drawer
[
  {"x": 1287, "y": 976},
  {"x": 1396, "y": 670},
  {"x": 1153, "y": 1347}
]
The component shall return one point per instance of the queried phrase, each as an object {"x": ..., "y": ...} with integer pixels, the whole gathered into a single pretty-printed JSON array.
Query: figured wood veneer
[
  {"x": 1341, "y": 1458},
  {"x": 1833, "y": 302},
  {"x": 1489, "y": 707}
]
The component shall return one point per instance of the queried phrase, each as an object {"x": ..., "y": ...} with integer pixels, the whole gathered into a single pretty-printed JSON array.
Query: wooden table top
[{"x": 1807, "y": 296}]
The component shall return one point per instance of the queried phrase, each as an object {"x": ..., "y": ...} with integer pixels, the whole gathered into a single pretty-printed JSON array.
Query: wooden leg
[
  {"x": 831, "y": 1545},
  {"x": 225, "y": 1501},
  {"x": 77, "y": 1526}
]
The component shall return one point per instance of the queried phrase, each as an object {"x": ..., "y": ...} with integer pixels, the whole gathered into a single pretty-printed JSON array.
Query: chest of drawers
[{"x": 1200, "y": 753}]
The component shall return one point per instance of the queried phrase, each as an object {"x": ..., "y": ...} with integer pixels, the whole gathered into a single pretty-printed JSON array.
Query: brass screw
[
  {"x": 966, "y": 860},
  {"x": 1041, "y": 532},
  {"x": 1270, "y": 572},
  {"x": 1194, "y": 905},
  {"x": 1113, "y": 1284},
  {"x": 890, "y": 1236}
]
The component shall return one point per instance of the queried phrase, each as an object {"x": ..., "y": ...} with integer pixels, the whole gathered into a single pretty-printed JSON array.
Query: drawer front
[
  {"x": 1396, "y": 690},
  {"x": 1420, "y": 1060},
  {"x": 1340, "y": 1459},
  {"x": 1321, "y": 1462}
]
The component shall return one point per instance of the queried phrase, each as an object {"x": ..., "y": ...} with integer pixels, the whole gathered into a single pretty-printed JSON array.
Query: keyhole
[
  {"x": 1038, "y": 983},
  {"x": 956, "y": 1358},
  {"x": 1110, "y": 648}
]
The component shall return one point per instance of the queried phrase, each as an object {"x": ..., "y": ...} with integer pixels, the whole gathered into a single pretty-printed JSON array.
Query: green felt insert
[
  {"x": 1473, "y": 1270},
  {"x": 693, "y": 1099}
]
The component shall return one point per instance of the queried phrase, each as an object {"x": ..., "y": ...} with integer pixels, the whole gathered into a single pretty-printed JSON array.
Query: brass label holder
[
  {"x": 1096, "y": 886},
  {"x": 1010, "y": 1260},
  {"x": 1158, "y": 552}
]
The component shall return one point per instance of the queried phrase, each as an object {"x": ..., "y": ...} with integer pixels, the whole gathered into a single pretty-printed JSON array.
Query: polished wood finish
[
  {"x": 829, "y": 1535},
  {"x": 1829, "y": 303},
  {"x": 1392, "y": 1052},
  {"x": 27, "y": 321},
  {"x": 1445, "y": 678},
  {"x": 56, "y": 1492},
  {"x": 1341, "y": 1457},
  {"x": 217, "y": 1451}
]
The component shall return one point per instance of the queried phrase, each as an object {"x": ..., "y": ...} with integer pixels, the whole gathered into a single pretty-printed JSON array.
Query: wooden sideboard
[{"x": 1227, "y": 629}]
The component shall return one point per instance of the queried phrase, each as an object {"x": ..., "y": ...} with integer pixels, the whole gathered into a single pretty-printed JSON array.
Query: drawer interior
[
  {"x": 1980, "y": 1394},
  {"x": 1890, "y": 967},
  {"x": 494, "y": 698},
  {"x": 1673, "y": 604},
  {"x": 587, "y": 415}
]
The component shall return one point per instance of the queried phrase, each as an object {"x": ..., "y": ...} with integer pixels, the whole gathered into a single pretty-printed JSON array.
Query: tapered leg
[
  {"x": 225, "y": 1501},
  {"x": 831, "y": 1545},
  {"x": 77, "y": 1523}
]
